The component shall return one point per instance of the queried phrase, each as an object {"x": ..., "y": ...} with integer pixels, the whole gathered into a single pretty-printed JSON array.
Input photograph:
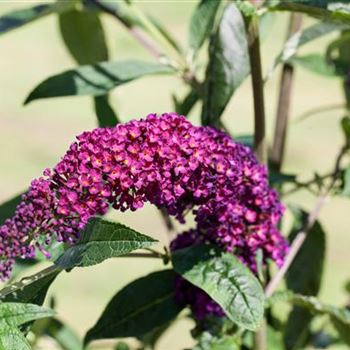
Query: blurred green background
[{"x": 36, "y": 136}]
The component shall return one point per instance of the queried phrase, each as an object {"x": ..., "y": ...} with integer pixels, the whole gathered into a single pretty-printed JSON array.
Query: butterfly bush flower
[{"x": 163, "y": 160}]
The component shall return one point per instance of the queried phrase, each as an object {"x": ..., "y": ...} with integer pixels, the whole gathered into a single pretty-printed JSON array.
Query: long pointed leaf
[
  {"x": 105, "y": 114},
  {"x": 301, "y": 38},
  {"x": 228, "y": 65},
  {"x": 202, "y": 22},
  {"x": 16, "y": 314},
  {"x": 18, "y": 18},
  {"x": 32, "y": 289},
  {"x": 12, "y": 338},
  {"x": 337, "y": 11},
  {"x": 137, "y": 309},
  {"x": 226, "y": 280},
  {"x": 95, "y": 79},
  {"x": 83, "y": 34},
  {"x": 102, "y": 240}
]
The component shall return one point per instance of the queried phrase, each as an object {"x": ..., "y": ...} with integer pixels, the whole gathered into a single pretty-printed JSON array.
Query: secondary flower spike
[{"x": 164, "y": 160}]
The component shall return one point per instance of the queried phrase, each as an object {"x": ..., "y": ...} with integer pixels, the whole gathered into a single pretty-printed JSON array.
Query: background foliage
[{"x": 40, "y": 46}]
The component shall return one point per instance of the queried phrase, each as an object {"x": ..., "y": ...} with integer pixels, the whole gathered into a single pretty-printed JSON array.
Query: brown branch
[
  {"x": 260, "y": 148},
  {"x": 283, "y": 108},
  {"x": 301, "y": 235},
  {"x": 258, "y": 91},
  {"x": 295, "y": 246},
  {"x": 139, "y": 35}
]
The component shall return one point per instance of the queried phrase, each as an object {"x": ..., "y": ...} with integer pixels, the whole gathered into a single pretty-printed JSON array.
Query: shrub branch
[
  {"x": 283, "y": 108},
  {"x": 302, "y": 234},
  {"x": 258, "y": 91}
]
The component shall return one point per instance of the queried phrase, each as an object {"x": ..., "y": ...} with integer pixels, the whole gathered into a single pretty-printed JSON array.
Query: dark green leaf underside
[
  {"x": 8, "y": 208},
  {"x": 137, "y": 309}
]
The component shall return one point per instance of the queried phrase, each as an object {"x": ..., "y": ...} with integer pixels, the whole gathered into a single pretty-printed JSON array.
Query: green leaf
[
  {"x": 105, "y": 114},
  {"x": 95, "y": 79},
  {"x": 315, "y": 63},
  {"x": 303, "y": 280},
  {"x": 342, "y": 328},
  {"x": 345, "y": 124},
  {"x": 8, "y": 208},
  {"x": 122, "y": 346},
  {"x": 301, "y": 38},
  {"x": 277, "y": 178},
  {"x": 18, "y": 18},
  {"x": 338, "y": 11},
  {"x": 339, "y": 316},
  {"x": 347, "y": 287},
  {"x": 202, "y": 22},
  {"x": 226, "y": 280},
  {"x": 248, "y": 9},
  {"x": 274, "y": 339},
  {"x": 346, "y": 180},
  {"x": 185, "y": 106},
  {"x": 102, "y": 240},
  {"x": 63, "y": 335},
  {"x": 150, "y": 339},
  {"x": 311, "y": 303},
  {"x": 208, "y": 341},
  {"x": 83, "y": 34},
  {"x": 16, "y": 314},
  {"x": 246, "y": 140},
  {"x": 12, "y": 338},
  {"x": 228, "y": 65},
  {"x": 338, "y": 52},
  {"x": 32, "y": 289},
  {"x": 137, "y": 309},
  {"x": 297, "y": 329}
]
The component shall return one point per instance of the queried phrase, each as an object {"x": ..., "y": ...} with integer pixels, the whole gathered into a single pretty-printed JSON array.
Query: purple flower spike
[{"x": 166, "y": 161}]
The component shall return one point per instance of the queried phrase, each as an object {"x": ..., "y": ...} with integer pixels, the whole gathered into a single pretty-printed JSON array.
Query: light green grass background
[{"x": 36, "y": 136}]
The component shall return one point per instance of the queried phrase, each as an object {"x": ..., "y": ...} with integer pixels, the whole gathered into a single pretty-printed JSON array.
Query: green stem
[
  {"x": 152, "y": 254},
  {"x": 13, "y": 287},
  {"x": 143, "y": 39},
  {"x": 157, "y": 35}
]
